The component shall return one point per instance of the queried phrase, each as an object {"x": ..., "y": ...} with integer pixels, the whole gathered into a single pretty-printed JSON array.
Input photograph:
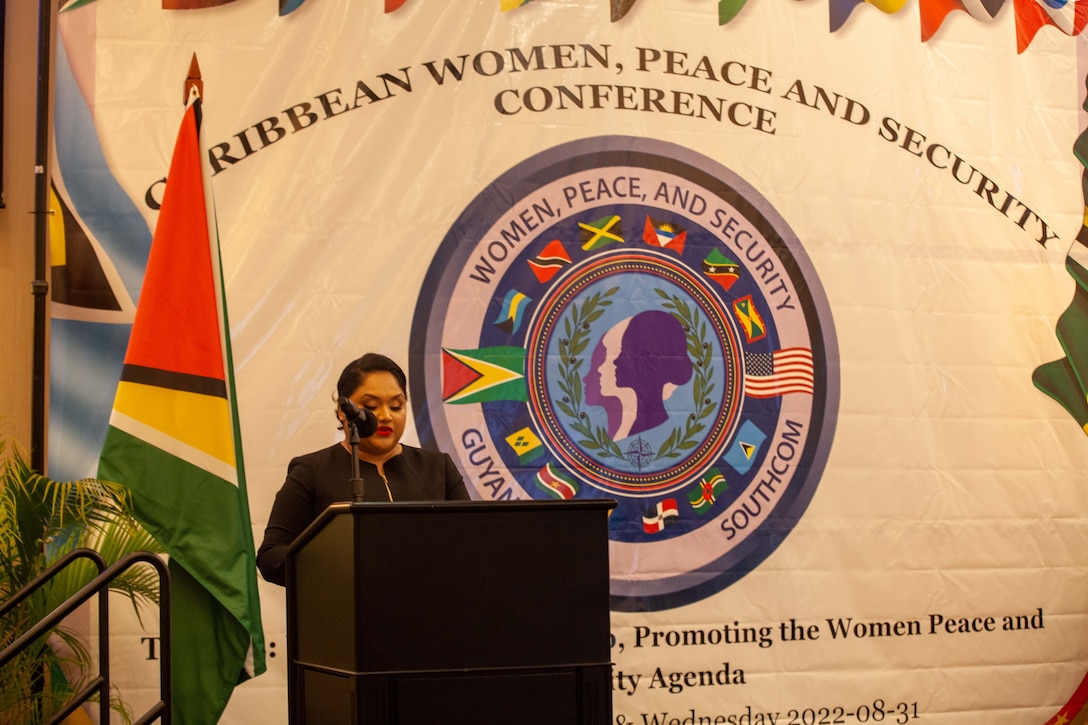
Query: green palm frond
[{"x": 42, "y": 520}]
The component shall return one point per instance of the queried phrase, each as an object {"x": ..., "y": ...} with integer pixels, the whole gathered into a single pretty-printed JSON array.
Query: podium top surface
[{"x": 432, "y": 507}]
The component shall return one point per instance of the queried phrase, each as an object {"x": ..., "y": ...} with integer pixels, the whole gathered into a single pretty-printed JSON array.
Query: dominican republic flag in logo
[{"x": 656, "y": 519}]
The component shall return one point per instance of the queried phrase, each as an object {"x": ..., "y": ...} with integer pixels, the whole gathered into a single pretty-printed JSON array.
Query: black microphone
[{"x": 364, "y": 421}]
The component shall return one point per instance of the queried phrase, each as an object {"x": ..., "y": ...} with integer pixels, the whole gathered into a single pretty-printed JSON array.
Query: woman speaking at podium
[{"x": 373, "y": 400}]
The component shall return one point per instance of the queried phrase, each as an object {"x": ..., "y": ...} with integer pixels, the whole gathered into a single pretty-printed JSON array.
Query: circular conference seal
[{"x": 623, "y": 318}]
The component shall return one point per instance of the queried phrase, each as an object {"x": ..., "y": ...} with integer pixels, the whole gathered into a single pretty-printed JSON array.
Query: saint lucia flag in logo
[{"x": 744, "y": 449}]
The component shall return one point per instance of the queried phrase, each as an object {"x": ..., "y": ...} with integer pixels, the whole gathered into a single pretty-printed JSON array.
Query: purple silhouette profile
[
  {"x": 600, "y": 383},
  {"x": 634, "y": 369}
]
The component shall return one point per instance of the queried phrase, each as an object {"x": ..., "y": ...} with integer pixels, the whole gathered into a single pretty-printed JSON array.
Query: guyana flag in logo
[
  {"x": 484, "y": 375},
  {"x": 173, "y": 440}
]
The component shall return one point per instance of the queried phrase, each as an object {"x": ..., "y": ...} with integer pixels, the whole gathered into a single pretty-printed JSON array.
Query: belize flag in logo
[{"x": 623, "y": 318}]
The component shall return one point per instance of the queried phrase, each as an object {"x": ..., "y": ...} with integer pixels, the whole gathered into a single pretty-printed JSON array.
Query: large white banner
[{"x": 779, "y": 291}]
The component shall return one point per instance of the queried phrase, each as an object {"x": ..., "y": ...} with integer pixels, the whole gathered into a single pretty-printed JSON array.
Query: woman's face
[
  {"x": 381, "y": 394},
  {"x": 621, "y": 367}
]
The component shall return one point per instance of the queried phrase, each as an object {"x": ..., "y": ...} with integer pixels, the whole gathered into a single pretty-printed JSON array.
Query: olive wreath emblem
[{"x": 573, "y": 344}]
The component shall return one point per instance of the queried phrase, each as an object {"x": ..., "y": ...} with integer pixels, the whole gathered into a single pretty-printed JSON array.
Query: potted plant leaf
[{"x": 42, "y": 520}]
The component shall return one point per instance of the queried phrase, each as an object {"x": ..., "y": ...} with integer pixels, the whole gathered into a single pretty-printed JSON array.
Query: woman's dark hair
[{"x": 352, "y": 376}]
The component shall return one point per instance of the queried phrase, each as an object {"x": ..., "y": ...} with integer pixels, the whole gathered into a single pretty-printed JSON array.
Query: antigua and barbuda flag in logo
[
  {"x": 173, "y": 439},
  {"x": 664, "y": 235},
  {"x": 691, "y": 376}
]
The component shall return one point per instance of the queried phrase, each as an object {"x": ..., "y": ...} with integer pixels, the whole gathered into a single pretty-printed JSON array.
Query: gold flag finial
[{"x": 193, "y": 83}]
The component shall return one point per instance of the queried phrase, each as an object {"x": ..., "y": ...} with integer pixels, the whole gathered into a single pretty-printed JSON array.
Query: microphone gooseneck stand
[{"x": 356, "y": 478}]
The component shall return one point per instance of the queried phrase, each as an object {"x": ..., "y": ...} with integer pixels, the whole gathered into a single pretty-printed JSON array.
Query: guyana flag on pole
[{"x": 173, "y": 440}]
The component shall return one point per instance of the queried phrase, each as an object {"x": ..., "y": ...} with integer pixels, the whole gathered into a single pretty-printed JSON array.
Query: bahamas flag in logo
[
  {"x": 484, "y": 375},
  {"x": 512, "y": 312},
  {"x": 555, "y": 483},
  {"x": 706, "y": 492}
]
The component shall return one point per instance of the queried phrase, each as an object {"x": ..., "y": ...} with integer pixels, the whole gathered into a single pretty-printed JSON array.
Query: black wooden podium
[{"x": 451, "y": 612}]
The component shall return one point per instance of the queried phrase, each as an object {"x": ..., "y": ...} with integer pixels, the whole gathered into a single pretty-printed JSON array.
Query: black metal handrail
[{"x": 161, "y": 710}]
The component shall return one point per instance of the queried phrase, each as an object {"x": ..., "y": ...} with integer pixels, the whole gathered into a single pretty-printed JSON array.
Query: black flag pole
[{"x": 40, "y": 286}]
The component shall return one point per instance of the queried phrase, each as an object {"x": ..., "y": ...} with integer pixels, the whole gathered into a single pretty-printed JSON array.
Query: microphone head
[{"x": 364, "y": 421}]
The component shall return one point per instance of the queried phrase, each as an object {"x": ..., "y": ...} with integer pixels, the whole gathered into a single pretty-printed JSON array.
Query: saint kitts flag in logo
[{"x": 173, "y": 439}]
